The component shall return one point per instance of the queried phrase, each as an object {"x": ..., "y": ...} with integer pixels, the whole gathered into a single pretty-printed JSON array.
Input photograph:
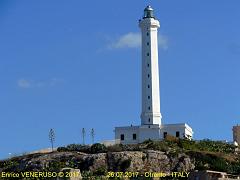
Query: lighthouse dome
[{"x": 148, "y": 12}]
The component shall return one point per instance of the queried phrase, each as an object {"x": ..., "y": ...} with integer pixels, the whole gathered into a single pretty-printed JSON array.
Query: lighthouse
[
  {"x": 151, "y": 119},
  {"x": 150, "y": 72}
]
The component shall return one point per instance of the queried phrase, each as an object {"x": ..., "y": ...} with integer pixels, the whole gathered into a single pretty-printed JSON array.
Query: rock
[
  {"x": 157, "y": 161},
  {"x": 100, "y": 163},
  {"x": 116, "y": 160},
  {"x": 70, "y": 174},
  {"x": 95, "y": 161},
  {"x": 184, "y": 163}
]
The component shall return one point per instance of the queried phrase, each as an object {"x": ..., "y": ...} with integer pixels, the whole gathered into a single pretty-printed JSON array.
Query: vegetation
[
  {"x": 8, "y": 165},
  {"x": 98, "y": 148},
  {"x": 125, "y": 164},
  {"x": 207, "y": 154},
  {"x": 95, "y": 148},
  {"x": 207, "y": 145},
  {"x": 100, "y": 171},
  {"x": 170, "y": 145},
  {"x": 75, "y": 147}
]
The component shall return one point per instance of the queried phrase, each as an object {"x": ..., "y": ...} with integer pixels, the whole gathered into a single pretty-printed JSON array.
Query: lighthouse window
[
  {"x": 147, "y": 54},
  {"x": 164, "y": 135},
  {"x": 148, "y": 86},
  {"x": 122, "y": 137},
  {"x": 149, "y": 108},
  {"x": 177, "y": 134},
  {"x": 148, "y": 97}
]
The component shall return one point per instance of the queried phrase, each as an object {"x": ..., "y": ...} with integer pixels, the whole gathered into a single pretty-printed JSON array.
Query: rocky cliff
[
  {"x": 101, "y": 163},
  {"x": 162, "y": 157}
]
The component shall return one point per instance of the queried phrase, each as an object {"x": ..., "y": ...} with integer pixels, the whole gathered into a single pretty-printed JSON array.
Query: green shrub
[
  {"x": 62, "y": 149},
  {"x": 100, "y": 171},
  {"x": 157, "y": 145},
  {"x": 172, "y": 139},
  {"x": 206, "y": 145},
  {"x": 78, "y": 147},
  {"x": 10, "y": 165},
  {"x": 74, "y": 147},
  {"x": 98, "y": 148},
  {"x": 147, "y": 141},
  {"x": 130, "y": 147},
  {"x": 187, "y": 144},
  {"x": 115, "y": 148},
  {"x": 86, "y": 175},
  {"x": 215, "y": 146},
  {"x": 219, "y": 164},
  {"x": 234, "y": 167},
  {"x": 125, "y": 164},
  {"x": 55, "y": 166}
]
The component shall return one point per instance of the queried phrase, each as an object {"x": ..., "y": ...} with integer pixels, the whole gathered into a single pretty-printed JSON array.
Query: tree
[
  {"x": 92, "y": 135},
  {"x": 52, "y": 137},
  {"x": 83, "y": 135}
]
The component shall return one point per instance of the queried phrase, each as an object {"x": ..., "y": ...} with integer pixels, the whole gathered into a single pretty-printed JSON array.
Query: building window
[
  {"x": 148, "y": 75},
  {"x": 147, "y": 54},
  {"x": 148, "y": 43},
  {"x": 134, "y": 136},
  {"x": 148, "y": 126},
  {"x": 177, "y": 134},
  {"x": 164, "y": 135},
  {"x": 147, "y": 33},
  {"x": 149, "y": 119},
  {"x": 149, "y": 108},
  {"x": 148, "y": 65},
  {"x": 148, "y": 97},
  {"x": 148, "y": 86},
  {"x": 122, "y": 137}
]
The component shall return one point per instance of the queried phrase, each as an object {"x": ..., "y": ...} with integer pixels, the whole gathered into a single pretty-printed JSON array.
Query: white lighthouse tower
[
  {"x": 151, "y": 126},
  {"x": 150, "y": 74}
]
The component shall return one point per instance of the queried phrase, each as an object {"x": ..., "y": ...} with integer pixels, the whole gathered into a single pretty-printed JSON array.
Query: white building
[{"x": 151, "y": 126}]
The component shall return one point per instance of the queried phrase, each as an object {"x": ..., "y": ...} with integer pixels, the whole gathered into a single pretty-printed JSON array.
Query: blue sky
[{"x": 73, "y": 64}]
